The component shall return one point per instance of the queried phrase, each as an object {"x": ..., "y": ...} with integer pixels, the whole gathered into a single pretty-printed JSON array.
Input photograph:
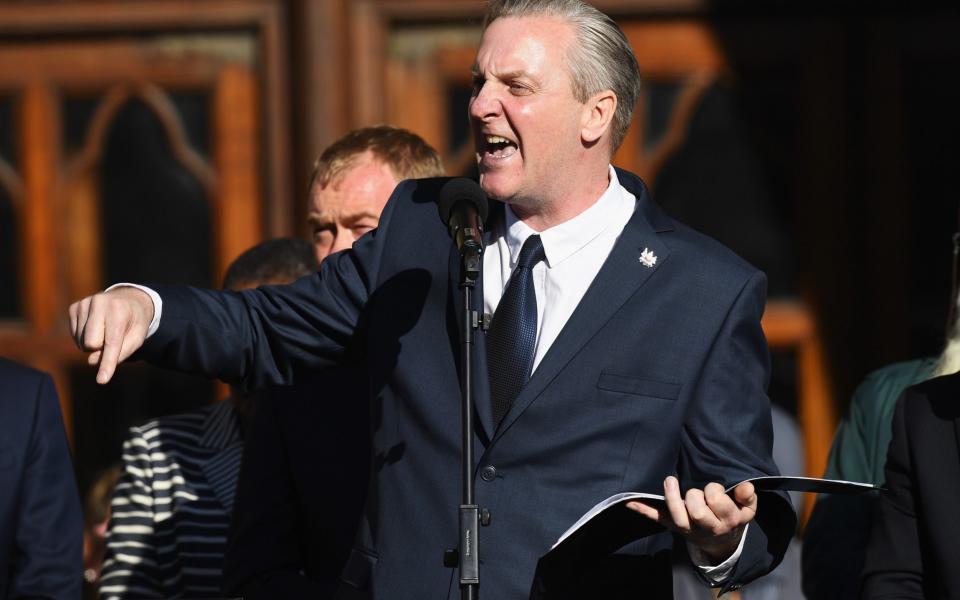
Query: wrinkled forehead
[
  {"x": 514, "y": 44},
  {"x": 332, "y": 203},
  {"x": 360, "y": 164},
  {"x": 365, "y": 187}
]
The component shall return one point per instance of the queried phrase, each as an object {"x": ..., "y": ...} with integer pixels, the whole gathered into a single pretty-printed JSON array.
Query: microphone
[{"x": 463, "y": 207}]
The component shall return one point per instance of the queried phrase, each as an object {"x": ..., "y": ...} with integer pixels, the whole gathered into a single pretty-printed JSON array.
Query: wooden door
[{"x": 139, "y": 151}]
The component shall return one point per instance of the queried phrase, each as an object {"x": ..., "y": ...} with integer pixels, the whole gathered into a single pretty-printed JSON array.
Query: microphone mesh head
[{"x": 461, "y": 189}]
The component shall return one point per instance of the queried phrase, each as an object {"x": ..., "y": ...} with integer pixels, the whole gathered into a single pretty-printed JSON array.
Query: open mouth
[{"x": 498, "y": 147}]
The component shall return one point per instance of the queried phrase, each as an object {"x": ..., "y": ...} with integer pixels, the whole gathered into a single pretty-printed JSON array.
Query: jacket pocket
[
  {"x": 637, "y": 386},
  {"x": 359, "y": 568}
]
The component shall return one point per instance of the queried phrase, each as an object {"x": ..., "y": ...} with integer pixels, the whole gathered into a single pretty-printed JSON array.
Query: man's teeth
[{"x": 499, "y": 146}]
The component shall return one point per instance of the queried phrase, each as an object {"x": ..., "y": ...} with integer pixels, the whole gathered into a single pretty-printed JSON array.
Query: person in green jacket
[{"x": 859, "y": 448}]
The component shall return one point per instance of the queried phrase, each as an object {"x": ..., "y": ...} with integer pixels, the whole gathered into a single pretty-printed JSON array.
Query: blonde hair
[{"x": 406, "y": 153}]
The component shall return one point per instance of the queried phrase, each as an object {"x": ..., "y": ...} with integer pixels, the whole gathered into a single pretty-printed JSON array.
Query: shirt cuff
[
  {"x": 154, "y": 297},
  {"x": 717, "y": 574}
]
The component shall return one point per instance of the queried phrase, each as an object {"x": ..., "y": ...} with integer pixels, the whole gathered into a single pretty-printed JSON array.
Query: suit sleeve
[
  {"x": 728, "y": 435},
  {"x": 893, "y": 566},
  {"x": 264, "y": 557},
  {"x": 262, "y": 337},
  {"x": 130, "y": 567},
  {"x": 49, "y": 530}
]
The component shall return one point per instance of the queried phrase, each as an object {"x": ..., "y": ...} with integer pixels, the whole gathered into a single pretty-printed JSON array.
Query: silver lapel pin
[{"x": 648, "y": 258}]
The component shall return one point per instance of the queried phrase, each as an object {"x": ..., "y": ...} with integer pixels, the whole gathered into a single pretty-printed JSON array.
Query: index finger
[
  {"x": 112, "y": 346},
  {"x": 79, "y": 316},
  {"x": 676, "y": 507}
]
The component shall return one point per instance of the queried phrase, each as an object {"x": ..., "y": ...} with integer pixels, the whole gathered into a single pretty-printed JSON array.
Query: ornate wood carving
[{"x": 145, "y": 50}]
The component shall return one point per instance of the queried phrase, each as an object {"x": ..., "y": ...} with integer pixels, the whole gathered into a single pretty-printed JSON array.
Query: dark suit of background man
[
  {"x": 644, "y": 340},
  {"x": 306, "y": 453},
  {"x": 41, "y": 525},
  {"x": 913, "y": 548}
]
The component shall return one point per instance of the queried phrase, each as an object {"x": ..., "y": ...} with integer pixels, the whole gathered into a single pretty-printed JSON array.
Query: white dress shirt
[{"x": 575, "y": 250}]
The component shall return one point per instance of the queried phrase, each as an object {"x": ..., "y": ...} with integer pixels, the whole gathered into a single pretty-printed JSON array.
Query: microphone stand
[
  {"x": 470, "y": 517},
  {"x": 463, "y": 207}
]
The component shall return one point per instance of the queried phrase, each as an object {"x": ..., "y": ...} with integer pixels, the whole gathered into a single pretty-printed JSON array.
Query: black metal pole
[
  {"x": 469, "y": 511},
  {"x": 463, "y": 208}
]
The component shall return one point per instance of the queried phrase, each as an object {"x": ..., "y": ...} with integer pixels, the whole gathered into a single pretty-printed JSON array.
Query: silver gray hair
[{"x": 602, "y": 59}]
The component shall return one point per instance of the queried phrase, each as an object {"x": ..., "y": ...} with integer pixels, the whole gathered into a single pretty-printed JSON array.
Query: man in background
[
  {"x": 41, "y": 525},
  {"x": 354, "y": 177},
  {"x": 171, "y": 506},
  {"x": 306, "y": 458}
]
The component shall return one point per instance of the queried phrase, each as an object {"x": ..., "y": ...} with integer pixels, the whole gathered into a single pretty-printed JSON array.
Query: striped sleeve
[{"x": 130, "y": 567}]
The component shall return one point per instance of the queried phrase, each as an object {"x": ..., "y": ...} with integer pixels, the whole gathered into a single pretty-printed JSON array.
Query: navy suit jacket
[
  {"x": 41, "y": 526},
  {"x": 659, "y": 370}
]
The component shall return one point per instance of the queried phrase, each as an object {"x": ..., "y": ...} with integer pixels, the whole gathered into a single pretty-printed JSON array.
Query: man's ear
[{"x": 597, "y": 115}]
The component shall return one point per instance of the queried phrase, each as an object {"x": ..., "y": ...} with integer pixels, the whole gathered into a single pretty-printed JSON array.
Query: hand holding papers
[
  {"x": 609, "y": 525},
  {"x": 710, "y": 519}
]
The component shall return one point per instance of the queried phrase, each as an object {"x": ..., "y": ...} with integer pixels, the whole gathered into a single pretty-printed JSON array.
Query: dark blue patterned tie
[{"x": 512, "y": 338}]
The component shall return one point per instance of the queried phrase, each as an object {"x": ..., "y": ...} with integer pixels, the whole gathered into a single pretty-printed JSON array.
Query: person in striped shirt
[{"x": 171, "y": 506}]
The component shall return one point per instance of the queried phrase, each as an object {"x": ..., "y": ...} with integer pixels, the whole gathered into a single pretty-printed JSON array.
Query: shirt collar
[{"x": 563, "y": 240}]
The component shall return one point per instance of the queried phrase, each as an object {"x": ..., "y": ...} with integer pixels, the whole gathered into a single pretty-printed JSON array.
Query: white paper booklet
[{"x": 611, "y": 519}]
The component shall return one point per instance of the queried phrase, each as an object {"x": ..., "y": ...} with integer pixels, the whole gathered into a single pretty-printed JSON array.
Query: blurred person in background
[
  {"x": 171, "y": 506},
  {"x": 96, "y": 520},
  {"x": 912, "y": 549},
  {"x": 306, "y": 462},
  {"x": 839, "y": 527},
  {"x": 41, "y": 524}
]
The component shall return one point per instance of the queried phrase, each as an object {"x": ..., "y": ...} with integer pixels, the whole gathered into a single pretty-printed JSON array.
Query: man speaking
[{"x": 647, "y": 362}]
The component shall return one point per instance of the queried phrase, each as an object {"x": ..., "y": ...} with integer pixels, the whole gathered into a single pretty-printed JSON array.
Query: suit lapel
[{"x": 621, "y": 276}]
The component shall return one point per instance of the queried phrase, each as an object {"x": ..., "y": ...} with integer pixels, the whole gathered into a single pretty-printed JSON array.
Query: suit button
[{"x": 488, "y": 473}]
